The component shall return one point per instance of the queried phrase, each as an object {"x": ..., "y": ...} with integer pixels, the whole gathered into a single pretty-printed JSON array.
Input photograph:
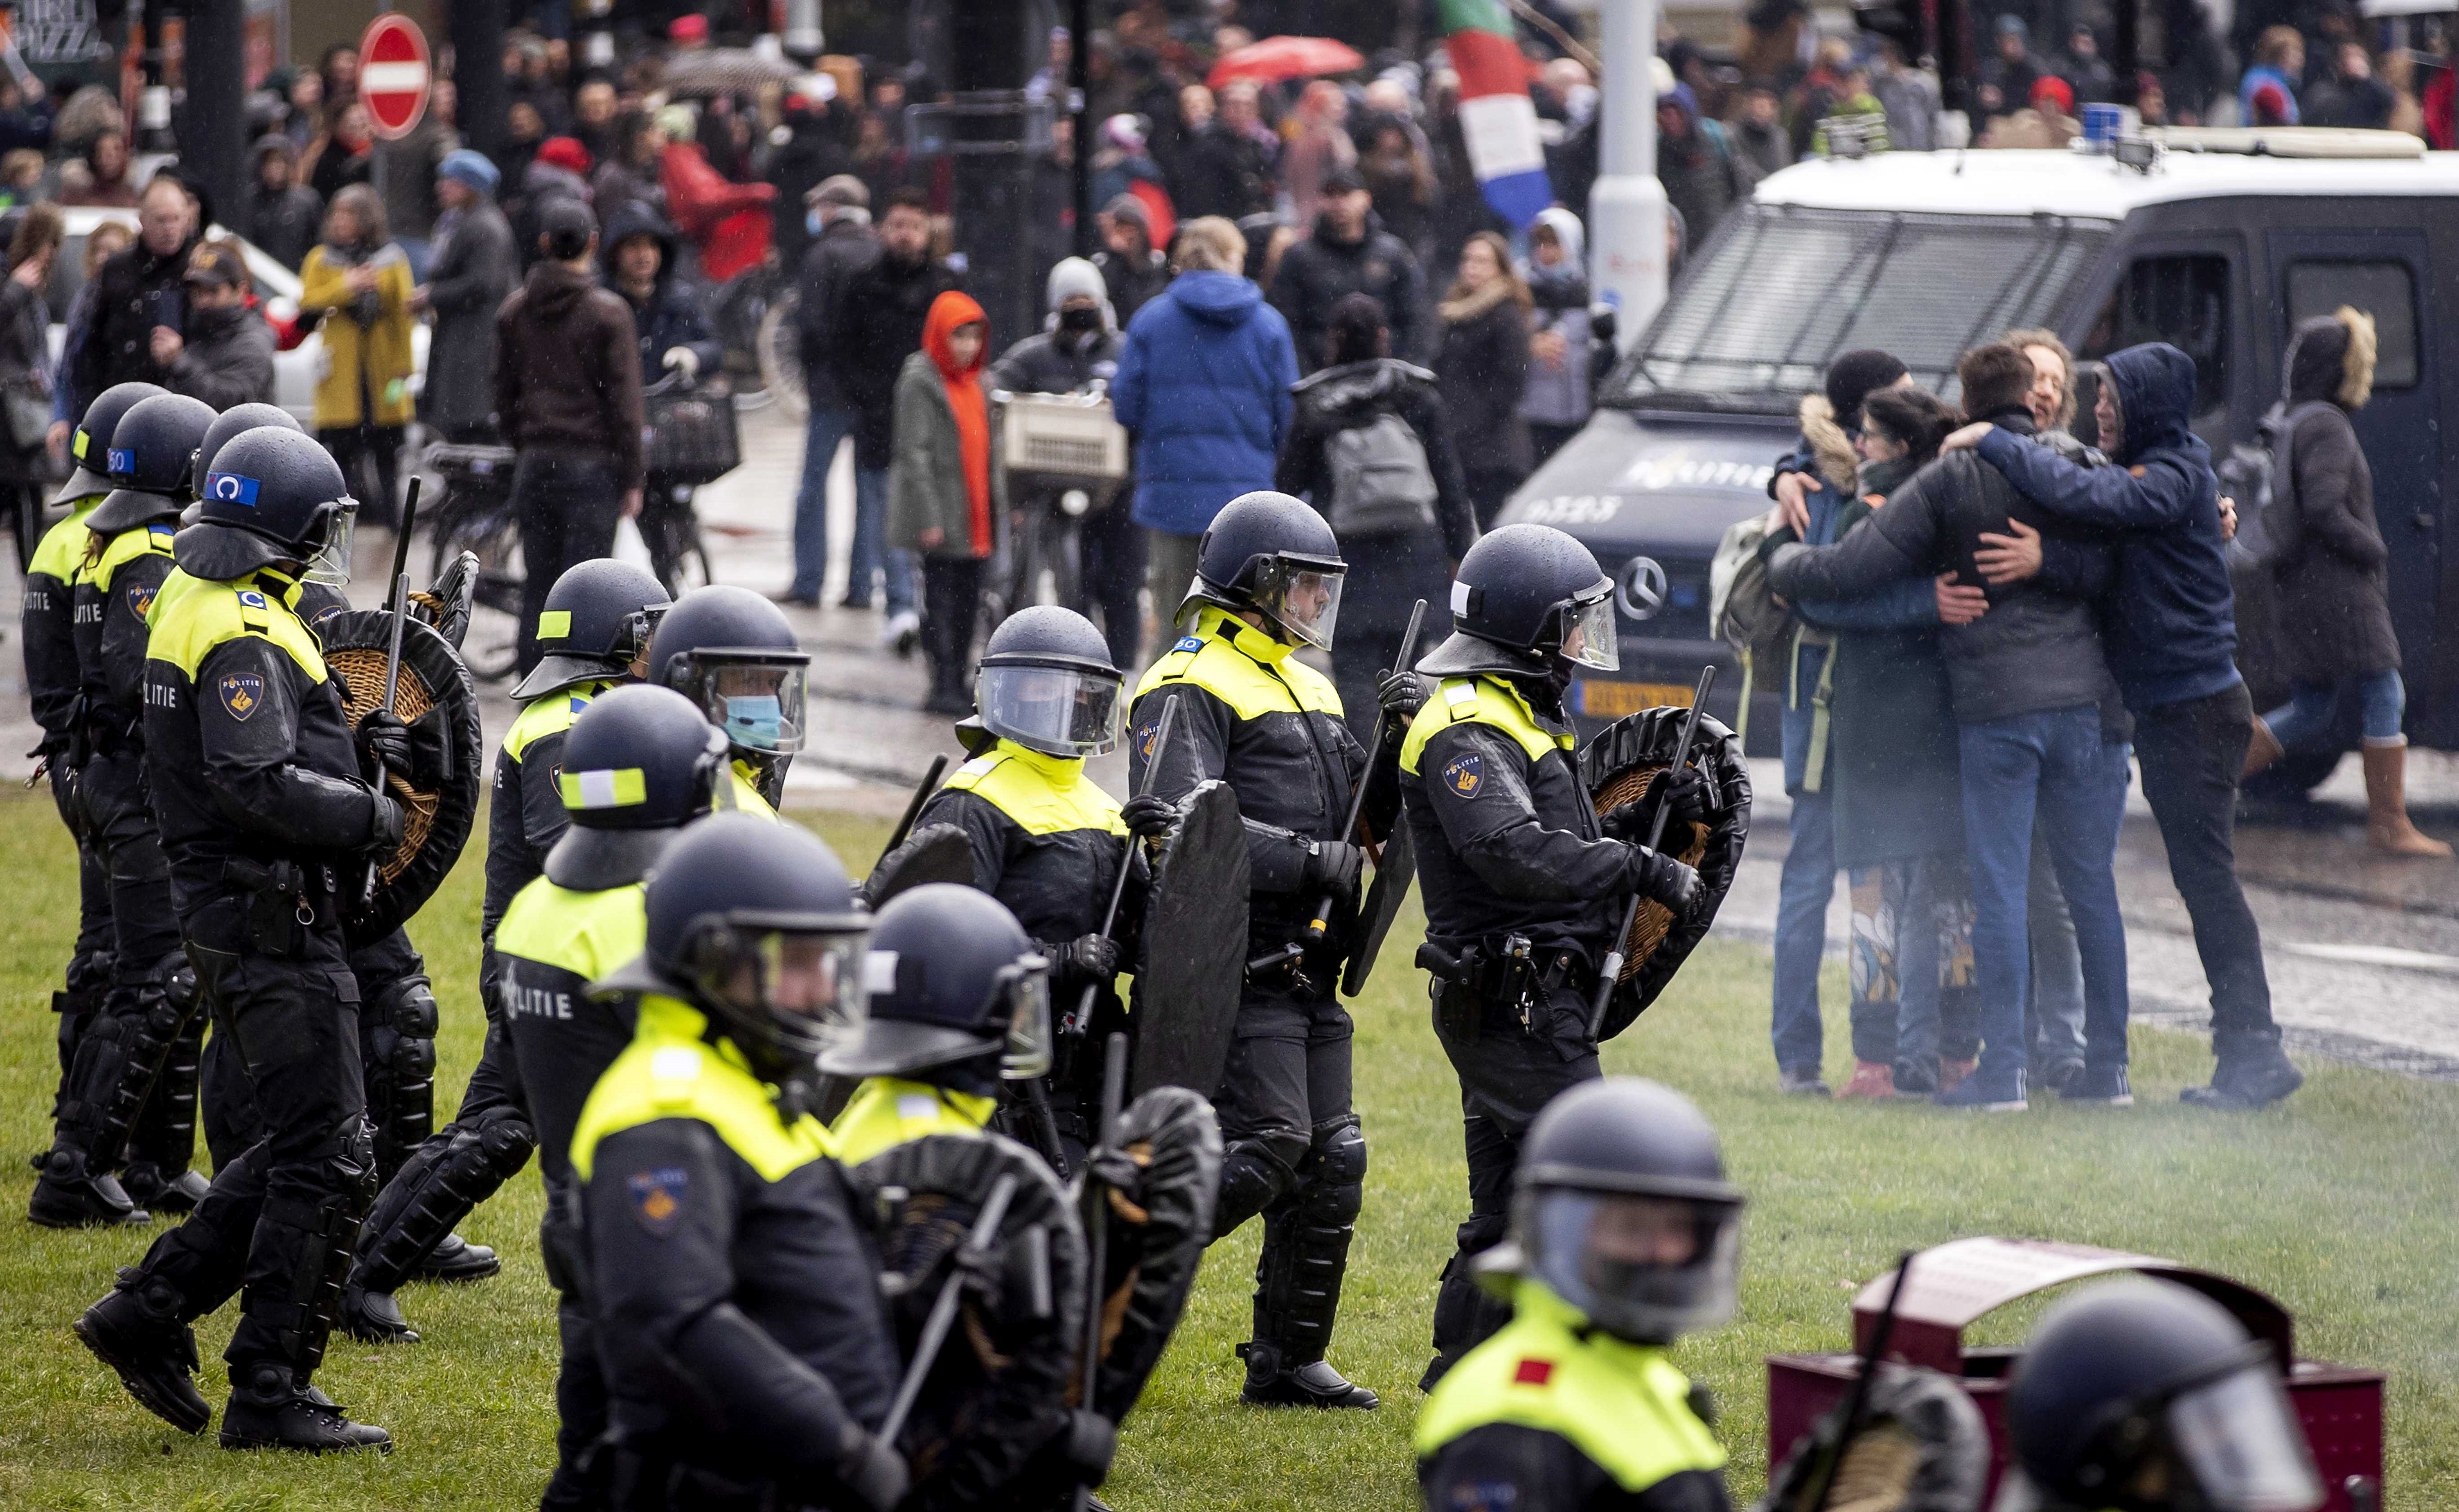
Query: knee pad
[
  {"x": 1339, "y": 1149},
  {"x": 1254, "y": 1176},
  {"x": 407, "y": 1003}
]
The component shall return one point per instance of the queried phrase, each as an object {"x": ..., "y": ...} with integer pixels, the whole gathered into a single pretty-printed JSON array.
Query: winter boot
[
  {"x": 269, "y": 1411},
  {"x": 2386, "y": 824},
  {"x": 138, "y": 1330},
  {"x": 1874, "y": 1079},
  {"x": 2252, "y": 1072}
]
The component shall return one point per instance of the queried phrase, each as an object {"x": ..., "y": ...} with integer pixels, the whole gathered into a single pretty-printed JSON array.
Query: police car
[{"x": 2217, "y": 240}]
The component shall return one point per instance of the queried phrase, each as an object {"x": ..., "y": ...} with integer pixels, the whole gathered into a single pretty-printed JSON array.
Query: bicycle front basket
[{"x": 693, "y": 434}]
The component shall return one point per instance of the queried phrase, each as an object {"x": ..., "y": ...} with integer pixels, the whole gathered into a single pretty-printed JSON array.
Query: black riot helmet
[
  {"x": 89, "y": 444},
  {"x": 2147, "y": 1396},
  {"x": 732, "y": 653},
  {"x": 953, "y": 980},
  {"x": 1621, "y": 1206},
  {"x": 1047, "y": 683},
  {"x": 1269, "y": 552},
  {"x": 639, "y": 764},
  {"x": 1525, "y": 597},
  {"x": 754, "y": 923},
  {"x": 234, "y": 421},
  {"x": 273, "y": 496},
  {"x": 147, "y": 461},
  {"x": 596, "y": 624}
]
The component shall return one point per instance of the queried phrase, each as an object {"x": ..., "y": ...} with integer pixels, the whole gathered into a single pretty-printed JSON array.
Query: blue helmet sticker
[
  {"x": 119, "y": 460},
  {"x": 227, "y": 488}
]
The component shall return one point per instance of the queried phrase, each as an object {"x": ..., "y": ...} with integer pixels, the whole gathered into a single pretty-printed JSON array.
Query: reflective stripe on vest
[
  {"x": 550, "y": 714},
  {"x": 889, "y": 1111},
  {"x": 191, "y": 616},
  {"x": 1243, "y": 667},
  {"x": 1479, "y": 700},
  {"x": 1043, "y": 794},
  {"x": 671, "y": 1070}
]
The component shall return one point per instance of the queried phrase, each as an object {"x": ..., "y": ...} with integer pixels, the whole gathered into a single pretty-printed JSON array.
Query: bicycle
[
  {"x": 472, "y": 512},
  {"x": 1063, "y": 456}
]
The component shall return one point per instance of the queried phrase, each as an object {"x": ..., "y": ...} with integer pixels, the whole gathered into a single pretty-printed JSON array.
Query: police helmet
[
  {"x": 147, "y": 461},
  {"x": 639, "y": 764},
  {"x": 1047, "y": 683},
  {"x": 755, "y": 924},
  {"x": 1621, "y": 1207},
  {"x": 1534, "y": 594},
  {"x": 2147, "y": 1396},
  {"x": 733, "y": 653},
  {"x": 952, "y": 978},
  {"x": 1269, "y": 552},
  {"x": 596, "y": 624},
  {"x": 91, "y": 441},
  {"x": 273, "y": 496},
  {"x": 232, "y": 421}
]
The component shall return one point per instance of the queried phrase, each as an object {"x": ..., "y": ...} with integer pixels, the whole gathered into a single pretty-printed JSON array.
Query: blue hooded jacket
[
  {"x": 1204, "y": 385},
  {"x": 2170, "y": 623}
]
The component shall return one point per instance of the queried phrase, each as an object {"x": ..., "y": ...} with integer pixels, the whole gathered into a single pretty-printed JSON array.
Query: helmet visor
[
  {"x": 806, "y": 983},
  {"x": 633, "y": 636},
  {"x": 759, "y": 704},
  {"x": 331, "y": 563},
  {"x": 1026, "y": 986},
  {"x": 1058, "y": 711},
  {"x": 1303, "y": 596},
  {"x": 2238, "y": 1436},
  {"x": 1643, "y": 1267},
  {"x": 1589, "y": 640}
]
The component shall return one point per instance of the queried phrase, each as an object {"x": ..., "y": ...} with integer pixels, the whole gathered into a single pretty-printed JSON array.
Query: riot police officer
[
  {"x": 1524, "y": 886},
  {"x": 594, "y": 635},
  {"x": 265, "y": 815},
  {"x": 735, "y": 1293},
  {"x": 1628, "y": 1236},
  {"x": 637, "y": 765},
  {"x": 131, "y": 1043},
  {"x": 960, "y": 1000},
  {"x": 2145, "y": 1397},
  {"x": 228, "y": 425},
  {"x": 1250, "y": 713},
  {"x": 736, "y": 657},
  {"x": 47, "y": 628},
  {"x": 1047, "y": 840}
]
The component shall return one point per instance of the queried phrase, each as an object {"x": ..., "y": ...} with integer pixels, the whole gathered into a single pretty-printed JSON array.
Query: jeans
[
  {"x": 2192, "y": 753},
  {"x": 872, "y": 553},
  {"x": 2057, "y": 1011},
  {"x": 1808, "y": 880},
  {"x": 566, "y": 507},
  {"x": 2305, "y": 721},
  {"x": 826, "y": 428},
  {"x": 2055, "y": 766}
]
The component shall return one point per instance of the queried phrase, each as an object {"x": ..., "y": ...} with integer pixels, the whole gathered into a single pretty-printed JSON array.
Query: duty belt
[{"x": 1510, "y": 972}]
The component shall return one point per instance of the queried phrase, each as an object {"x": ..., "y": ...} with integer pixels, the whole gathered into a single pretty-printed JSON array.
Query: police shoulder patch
[
  {"x": 140, "y": 599},
  {"x": 1189, "y": 643},
  {"x": 1145, "y": 735},
  {"x": 243, "y": 694},
  {"x": 658, "y": 1198},
  {"x": 1465, "y": 774}
]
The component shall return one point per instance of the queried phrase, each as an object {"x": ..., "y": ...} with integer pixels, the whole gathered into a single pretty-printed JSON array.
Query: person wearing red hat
[{"x": 688, "y": 33}]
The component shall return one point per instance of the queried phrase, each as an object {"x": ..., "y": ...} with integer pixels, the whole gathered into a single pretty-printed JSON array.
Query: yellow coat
[{"x": 382, "y": 350}]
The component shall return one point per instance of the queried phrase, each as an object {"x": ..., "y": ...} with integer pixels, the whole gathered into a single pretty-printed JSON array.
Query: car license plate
[{"x": 1613, "y": 700}]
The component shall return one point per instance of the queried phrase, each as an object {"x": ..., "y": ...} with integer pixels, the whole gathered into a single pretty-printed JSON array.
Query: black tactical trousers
[
  {"x": 581, "y": 1470},
  {"x": 281, "y": 1215},
  {"x": 90, "y": 964},
  {"x": 1508, "y": 1075}
]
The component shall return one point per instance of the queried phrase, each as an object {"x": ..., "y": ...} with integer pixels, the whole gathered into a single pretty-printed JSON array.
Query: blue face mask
[
  {"x": 813, "y": 221},
  {"x": 757, "y": 721}
]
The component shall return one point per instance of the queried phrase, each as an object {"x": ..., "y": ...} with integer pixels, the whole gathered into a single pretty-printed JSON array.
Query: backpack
[
  {"x": 1381, "y": 482},
  {"x": 1742, "y": 609}
]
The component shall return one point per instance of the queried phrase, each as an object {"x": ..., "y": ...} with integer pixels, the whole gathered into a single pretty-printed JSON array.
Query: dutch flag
[{"x": 1495, "y": 114}]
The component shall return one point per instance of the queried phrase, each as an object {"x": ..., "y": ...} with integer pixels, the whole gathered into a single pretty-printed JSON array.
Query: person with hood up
[
  {"x": 2331, "y": 613},
  {"x": 1077, "y": 347},
  {"x": 1561, "y": 374},
  {"x": 472, "y": 268},
  {"x": 1133, "y": 270},
  {"x": 940, "y": 502},
  {"x": 1484, "y": 366},
  {"x": 670, "y": 321},
  {"x": 284, "y": 214},
  {"x": 2171, "y": 632},
  {"x": 1203, "y": 389},
  {"x": 1349, "y": 253},
  {"x": 360, "y": 277},
  {"x": 1702, "y": 174},
  {"x": 1371, "y": 448},
  {"x": 223, "y": 353}
]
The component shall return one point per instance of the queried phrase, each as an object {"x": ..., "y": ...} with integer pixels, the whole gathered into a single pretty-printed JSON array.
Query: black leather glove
[
  {"x": 1091, "y": 1444},
  {"x": 1692, "y": 796},
  {"x": 873, "y": 1470},
  {"x": 1400, "y": 694},
  {"x": 1093, "y": 955},
  {"x": 385, "y": 746},
  {"x": 1148, "y": 815},
  {"x": 1334, "y": 867},
  {"x": 1663, "y": 880},
  {"x": 385, "y": 823}
]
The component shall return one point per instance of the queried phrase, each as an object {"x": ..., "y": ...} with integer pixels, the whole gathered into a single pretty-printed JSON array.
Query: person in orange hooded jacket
[{"x": 939, "y": 486}]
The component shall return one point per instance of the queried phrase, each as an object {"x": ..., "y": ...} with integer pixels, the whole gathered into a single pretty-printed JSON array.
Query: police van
[{"x": 2215, "y": 241}]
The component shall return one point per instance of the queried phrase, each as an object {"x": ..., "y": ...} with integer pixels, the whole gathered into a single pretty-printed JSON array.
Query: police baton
[
  {"x": 914, "y": 809},
  {"x": 1097, "y": 1227},
  {"x": 1608, "y": 975},
  {"x": 399, "y": 607},
  {"x": 1319, "y": 922},
  {"x": 1084, "y": 1013},
  {"x": 943, "y": 1308}
]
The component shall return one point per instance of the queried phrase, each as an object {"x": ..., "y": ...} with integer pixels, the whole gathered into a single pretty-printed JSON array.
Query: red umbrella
[{"x": 1285, "y": 58}]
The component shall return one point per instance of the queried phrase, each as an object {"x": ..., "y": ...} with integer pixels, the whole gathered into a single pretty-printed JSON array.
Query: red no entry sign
[{"x": 394, "y": 76}]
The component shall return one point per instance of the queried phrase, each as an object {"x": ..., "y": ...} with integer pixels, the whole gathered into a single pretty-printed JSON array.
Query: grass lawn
[{"x": 2338, "y": 1204}]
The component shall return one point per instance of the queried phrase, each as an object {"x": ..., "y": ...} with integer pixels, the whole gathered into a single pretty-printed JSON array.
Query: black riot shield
[
  {"x": 1195, "y": 948},
  {"x": 999, "y": 1389},
  {"x": 1159, "y": 1221},
  {"x": 436, "y": 698},
  {"x": 446, "y": 605},
  {"x": 933, "y": 853},
  {"x": 1393, "y": 873},
  {"x": 1616, "y": 767}
]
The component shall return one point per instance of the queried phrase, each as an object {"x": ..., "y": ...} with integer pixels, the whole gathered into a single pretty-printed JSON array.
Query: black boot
[
  {"x": 269, "y": 1410},
  {"x": 138, "y": 1332},
  {"x": 68, "y": 1195},
  {"x": 1269, "y": 1383},
  {"x": 1298, "y": 1276},
  {"x": 374, "y": 1317},
  {"x": 149, "y": 1188},
  {"x": 2252, "y": 1072},
  {"x": 457, "y": 1259}
]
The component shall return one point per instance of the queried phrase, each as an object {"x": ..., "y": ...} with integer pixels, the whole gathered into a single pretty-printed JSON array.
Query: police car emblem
[
  {"x": 1465, "y": 774},
  {"x": 243, "y": 692},
  {"x": 658, "y": 1197},
  {"x": 140, "y": 599}
]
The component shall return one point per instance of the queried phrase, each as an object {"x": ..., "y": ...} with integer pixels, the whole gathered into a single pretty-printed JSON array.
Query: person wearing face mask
[
  {"x": 1508, "y": 845},
  {"x": 733, "y": 653},
  {"x": 1626, "y": 1236},
  {"x": 939, "y": 487}
]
